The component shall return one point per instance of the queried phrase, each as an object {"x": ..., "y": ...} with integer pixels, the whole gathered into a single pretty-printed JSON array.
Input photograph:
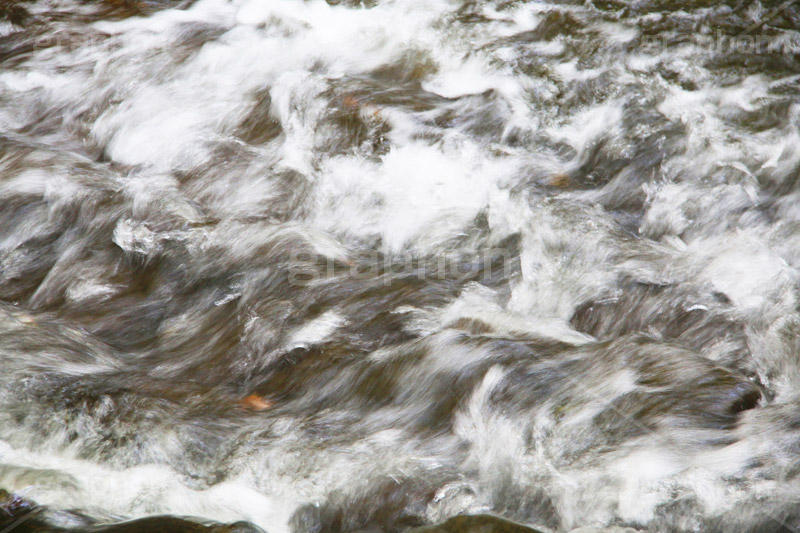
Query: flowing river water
[{"x": 366, "y": 266}]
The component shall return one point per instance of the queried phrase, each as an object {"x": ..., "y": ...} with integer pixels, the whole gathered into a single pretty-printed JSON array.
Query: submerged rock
[
  {"x": 21, "y": 515},
  {"x": 481, "y": 523},
  {"x": 484, "y": 523},
  {"x": 175, "y": 525}
]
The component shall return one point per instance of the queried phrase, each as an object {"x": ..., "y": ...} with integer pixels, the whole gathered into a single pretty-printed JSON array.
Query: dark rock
[
  {"x": 13, "y": 13},
  {"x": 171, "y": 524},
  {"x": 386, "y": 505},
  {"x": 480, "y": 523},
  {"x": 24, "y": 516}
]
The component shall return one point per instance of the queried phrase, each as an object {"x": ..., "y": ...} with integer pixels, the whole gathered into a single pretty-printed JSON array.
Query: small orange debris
[
  {"x": 255, "y": 402},
  {"x": 355, "y": 103}
]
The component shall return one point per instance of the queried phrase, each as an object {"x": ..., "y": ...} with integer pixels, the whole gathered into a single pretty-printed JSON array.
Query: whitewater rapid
[{"x": 365, "y": 266}]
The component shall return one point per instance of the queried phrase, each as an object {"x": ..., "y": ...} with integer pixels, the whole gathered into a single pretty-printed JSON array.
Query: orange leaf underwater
[{"x": 256, "y": 403}]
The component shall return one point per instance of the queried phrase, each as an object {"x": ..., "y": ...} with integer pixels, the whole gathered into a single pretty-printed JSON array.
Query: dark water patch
[
  {"x": 259, "y": 126},
  {"x": 672, "y": 314}
]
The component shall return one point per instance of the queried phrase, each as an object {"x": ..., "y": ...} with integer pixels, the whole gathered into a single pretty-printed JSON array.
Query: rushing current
[{"x": 367, "y": 266}]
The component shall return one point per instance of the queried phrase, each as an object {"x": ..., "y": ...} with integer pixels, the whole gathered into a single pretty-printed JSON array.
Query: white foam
[
  {"x": 315, "y": 331},
  {"x": 140, "y": 491},
  {"x": 415, "y": 191}
]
